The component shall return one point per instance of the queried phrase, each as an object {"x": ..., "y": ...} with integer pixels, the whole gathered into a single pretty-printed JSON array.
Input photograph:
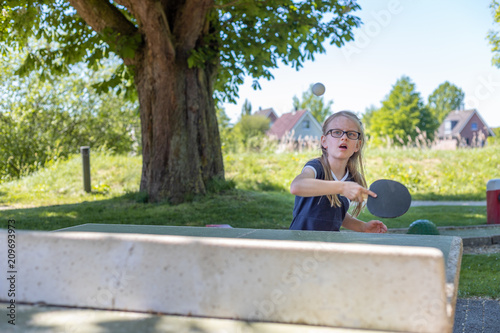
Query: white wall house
[{"x": 301, "y": 124}]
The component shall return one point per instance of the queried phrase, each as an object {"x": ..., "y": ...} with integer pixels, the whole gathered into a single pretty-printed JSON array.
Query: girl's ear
[
  {"x": 358, "y": 145},
  {"x": 323, "y": 141}
]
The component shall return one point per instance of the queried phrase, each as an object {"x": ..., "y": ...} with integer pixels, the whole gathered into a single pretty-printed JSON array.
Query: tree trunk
[
  {"x": 181, "y": 148},
  {"x": 180, "y": 137}
]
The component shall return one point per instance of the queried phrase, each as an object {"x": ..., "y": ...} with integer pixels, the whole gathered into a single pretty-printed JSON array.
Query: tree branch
[
  {"x": 190, "y": 22},
  {"x": 109, "y": 22},
  {"x": 229, "y": 4},
  {"x": 170, "y": 45},
  {"x": 124, "y": 3}
]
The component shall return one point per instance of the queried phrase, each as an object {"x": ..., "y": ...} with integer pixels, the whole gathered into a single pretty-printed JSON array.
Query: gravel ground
[{"x": 485, "y": 249}]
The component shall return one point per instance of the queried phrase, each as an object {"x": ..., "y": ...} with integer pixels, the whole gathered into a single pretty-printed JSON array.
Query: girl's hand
[
  {"x": 355, "y": 192},
  {"x": 376, "y": 227}
]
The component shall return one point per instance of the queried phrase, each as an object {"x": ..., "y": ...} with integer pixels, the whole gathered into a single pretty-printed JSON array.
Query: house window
[
  {"x": 306, "y": 124},
  {"x": 448, "y": 126},
  {"x": 473, "y": 127}
]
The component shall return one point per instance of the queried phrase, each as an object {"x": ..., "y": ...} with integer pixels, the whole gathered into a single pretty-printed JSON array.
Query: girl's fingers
[{"x": 369, "y": 193}]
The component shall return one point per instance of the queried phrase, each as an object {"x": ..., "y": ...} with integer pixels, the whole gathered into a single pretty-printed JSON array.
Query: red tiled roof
[
  {"x": 264, "y": 112},
  {"x": 285, "y": 123}
]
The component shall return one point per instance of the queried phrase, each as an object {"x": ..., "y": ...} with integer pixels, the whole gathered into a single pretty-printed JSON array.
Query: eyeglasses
[{"x": 337, "y": 133}]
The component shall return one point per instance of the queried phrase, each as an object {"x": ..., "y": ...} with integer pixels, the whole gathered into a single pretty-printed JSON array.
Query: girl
[{"x": 327, "y": 184}]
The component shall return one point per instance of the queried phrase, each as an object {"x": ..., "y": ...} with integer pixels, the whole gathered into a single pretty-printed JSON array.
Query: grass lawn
[
  {"x": 52, "y": 198},
  {"x": 480, "y": 276},
  {"x": 239, "y": 208}
]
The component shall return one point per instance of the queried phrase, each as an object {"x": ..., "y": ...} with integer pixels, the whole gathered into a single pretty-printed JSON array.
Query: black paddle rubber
[{"x": 393, "y": 199}]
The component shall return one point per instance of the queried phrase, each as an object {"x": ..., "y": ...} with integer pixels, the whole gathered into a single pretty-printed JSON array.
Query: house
[
  {"x": 299, "y": 124},
  {"x": 268, "y": 113},
  {"x": 463, "y": 128}
]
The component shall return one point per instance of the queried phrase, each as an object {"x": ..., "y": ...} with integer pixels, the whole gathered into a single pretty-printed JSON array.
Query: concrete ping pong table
[{"x": 376, "y": 282}]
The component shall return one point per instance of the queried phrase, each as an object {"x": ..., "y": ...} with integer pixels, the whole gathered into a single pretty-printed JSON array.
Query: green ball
[{"x": 423, "y": 227}]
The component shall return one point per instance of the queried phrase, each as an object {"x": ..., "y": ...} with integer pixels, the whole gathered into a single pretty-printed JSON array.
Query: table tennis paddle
[{"x": 393, "y": 199}]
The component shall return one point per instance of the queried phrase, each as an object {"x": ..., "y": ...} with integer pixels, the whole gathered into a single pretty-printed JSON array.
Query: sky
[{"x": 430, "y": 41}]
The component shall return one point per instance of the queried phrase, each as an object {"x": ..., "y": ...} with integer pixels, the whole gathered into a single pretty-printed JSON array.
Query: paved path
[
  {"x": 477, "y": 316},
  {"x": 447, "y": 203},
  {"x": 471, "y": 315}
]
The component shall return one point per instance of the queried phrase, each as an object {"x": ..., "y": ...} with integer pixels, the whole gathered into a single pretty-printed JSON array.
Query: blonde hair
[{"x": 355, "y": 163}]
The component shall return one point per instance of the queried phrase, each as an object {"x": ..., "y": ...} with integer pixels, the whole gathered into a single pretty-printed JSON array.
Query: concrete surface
[
  {"x": 479, "y": 235},
  {"x": 472, "y": 316},
  {"x": 264, "y": 279},
  {"x": 52, "y": 319}
]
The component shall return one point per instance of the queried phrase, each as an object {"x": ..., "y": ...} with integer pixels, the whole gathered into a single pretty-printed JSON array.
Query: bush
[
  {"x": 43, "y": 121},
  {"x": 494, "y": 140}
]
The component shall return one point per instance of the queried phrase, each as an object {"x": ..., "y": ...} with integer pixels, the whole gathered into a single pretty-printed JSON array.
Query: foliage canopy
[
  {"x": 447, "y": 97},
  {"x": 42, "y": 121},
  {"x": 402, "y": 117},
  {"x": 248, "y": 37},
  {"x": 494, "y": 36}
]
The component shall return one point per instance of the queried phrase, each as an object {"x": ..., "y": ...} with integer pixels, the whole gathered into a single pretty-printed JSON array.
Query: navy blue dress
[{"x": 316, "y": 213}]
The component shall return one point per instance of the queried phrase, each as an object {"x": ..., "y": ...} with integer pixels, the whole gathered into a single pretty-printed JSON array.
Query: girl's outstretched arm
[
  {"x": 373, "y": 226},
  {"x": 306, "y": 185}
]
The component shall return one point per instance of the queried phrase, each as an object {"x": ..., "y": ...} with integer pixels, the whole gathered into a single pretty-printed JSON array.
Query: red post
[{"x": 493, "y": 201}]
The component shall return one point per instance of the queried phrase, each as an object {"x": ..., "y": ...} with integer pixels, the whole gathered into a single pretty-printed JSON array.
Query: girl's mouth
[{"x": 343, "y": 147}]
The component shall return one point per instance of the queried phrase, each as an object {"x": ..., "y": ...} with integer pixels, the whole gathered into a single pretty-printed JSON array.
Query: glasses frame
[{"x": 330, "y": 131}]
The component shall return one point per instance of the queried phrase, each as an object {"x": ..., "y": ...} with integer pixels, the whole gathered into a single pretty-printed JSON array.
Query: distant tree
[
  {"x": 45, "y": 120},
  {"x": 251, "y": 126},
  {"x": 494, "y": 36},
  {"x": 222, "y": 119},
  {"x": 225, "y": 128},
  {"x": 246, "y": 108},
  {"x": 494, "y": 140},
  {"x": 367, "y": 117},
  {"x": 402, "y": 115},
  {"x": 315, "y": 104},
  {"x": 447, "y": 97}
]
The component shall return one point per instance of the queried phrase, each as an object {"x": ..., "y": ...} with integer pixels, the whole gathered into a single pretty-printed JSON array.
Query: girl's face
[{"x": 344, "y": 147}]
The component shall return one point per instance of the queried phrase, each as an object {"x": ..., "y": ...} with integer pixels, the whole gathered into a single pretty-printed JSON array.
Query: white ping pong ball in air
[{"x": 318, "y": 89}]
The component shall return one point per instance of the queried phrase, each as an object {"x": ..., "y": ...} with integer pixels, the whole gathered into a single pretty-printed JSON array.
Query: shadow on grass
[
  {"x": 441, "y": 216},
  {"x": 243, "y": 209},
  {"x": 238, "y": 208}
]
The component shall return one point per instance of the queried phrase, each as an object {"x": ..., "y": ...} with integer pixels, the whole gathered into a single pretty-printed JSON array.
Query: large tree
[
  {"x": 447, "y": 97},
  {"x": 182, "y": 55},
  {"x": 403, "y": 115},
  {"x": 494, "y": 36}
]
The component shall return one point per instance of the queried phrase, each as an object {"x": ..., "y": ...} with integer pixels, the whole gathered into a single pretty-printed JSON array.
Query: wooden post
[{"x": 86, "y": 168}]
